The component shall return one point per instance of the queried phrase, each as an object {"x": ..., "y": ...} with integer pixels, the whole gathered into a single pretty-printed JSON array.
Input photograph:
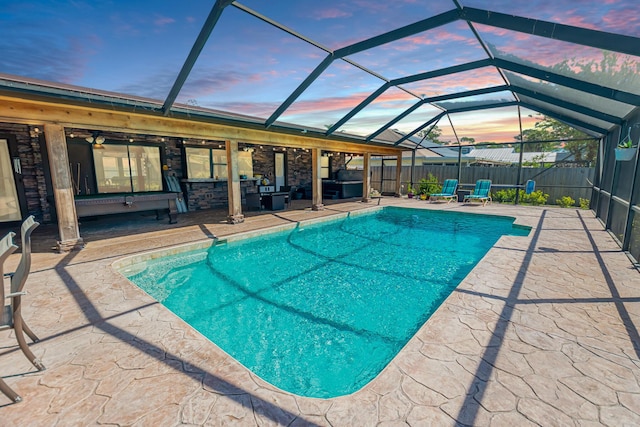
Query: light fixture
[
  {"x": 130, "y": 139},
  {"x": 71, "y": 135},
  {"x": 96, "y": 139}
]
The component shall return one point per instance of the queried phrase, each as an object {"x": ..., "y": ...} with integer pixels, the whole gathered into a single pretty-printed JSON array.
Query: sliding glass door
[{"x": 9, "y": 203}]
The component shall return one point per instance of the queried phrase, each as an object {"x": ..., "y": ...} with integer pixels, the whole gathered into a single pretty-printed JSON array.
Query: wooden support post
[
  {"x": 399, "y": 176},
  {"x": 316, "y": 172},
  {"x": 233, "y": 184},
  {"x": 62, "y": 189},
  {"x": 366, "y": 178}
]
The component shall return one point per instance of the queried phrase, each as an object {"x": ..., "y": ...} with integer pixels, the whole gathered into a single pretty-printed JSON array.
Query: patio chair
[
  {"x": 290, "y": 192},
  {"x": 7, "y": 247},
  {"x": 375, "y": 194},
  {"x": 530, "y": 187},
  {"x": 253, "y": 201},
  {"x": 481, "y": 193},
  {"x": 291, "y": 196},
  {"x": 448, "y": 192},
  {"x": 12, "y": 313}
]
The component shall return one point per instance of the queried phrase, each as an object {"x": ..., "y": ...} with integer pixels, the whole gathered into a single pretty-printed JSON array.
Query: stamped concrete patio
[{"x": 542, "y": 332}]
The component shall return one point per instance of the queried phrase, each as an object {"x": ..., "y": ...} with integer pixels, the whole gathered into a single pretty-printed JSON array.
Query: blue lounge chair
[
  {"x": 448, "y": 192},
  {"x": 481, "y": 193},
  {"x": 530, "y": 187}
]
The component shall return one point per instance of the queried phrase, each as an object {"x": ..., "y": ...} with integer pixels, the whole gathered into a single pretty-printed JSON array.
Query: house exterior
[{"x": 61, "y": 162}]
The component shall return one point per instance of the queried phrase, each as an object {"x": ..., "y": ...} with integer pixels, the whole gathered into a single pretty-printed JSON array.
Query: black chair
[
  {"x": 253, "y": 201},
  {"x": 291, "y": 193}
]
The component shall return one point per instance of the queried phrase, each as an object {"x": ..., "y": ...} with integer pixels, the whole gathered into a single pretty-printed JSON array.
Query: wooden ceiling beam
[{"x": 35, "y": 112}]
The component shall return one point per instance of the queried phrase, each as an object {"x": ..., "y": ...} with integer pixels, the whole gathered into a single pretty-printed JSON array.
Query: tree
[
  {"x": 541, "y": 131},
  {"x": 613, "y": 70},
  {"x": 581, "y": 145},
  {"x": 434, "y": 135}
]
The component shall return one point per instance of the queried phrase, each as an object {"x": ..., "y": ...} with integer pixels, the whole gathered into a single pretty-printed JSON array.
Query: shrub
[
  {"x": 505, "y": 196},
  {"x": 429, "y": 185},
  {"x": 509, "y": 196},
  {"x": 536, "y": 198},
  {"x": 566, "y": 202},
  {"x": 584, "y": 203}
]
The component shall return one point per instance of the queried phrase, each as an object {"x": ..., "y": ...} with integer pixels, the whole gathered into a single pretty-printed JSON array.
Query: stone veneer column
[
  {"x": 62, "y": 189},
  {"x": 398, "y": 176},
  {"x": 316, "y": 166},
  {"x": 233, "y": 184},
  {"x": 366, "y": 178}
]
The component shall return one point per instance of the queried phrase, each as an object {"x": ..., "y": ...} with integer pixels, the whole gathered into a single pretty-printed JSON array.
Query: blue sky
[{"x": 250, "y": 67}]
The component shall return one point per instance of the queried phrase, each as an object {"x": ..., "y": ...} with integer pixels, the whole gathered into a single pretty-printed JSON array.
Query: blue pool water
[{"x": 320, "y": 310}]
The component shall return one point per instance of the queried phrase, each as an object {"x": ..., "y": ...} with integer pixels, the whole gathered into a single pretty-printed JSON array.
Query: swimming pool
[{"x": 321, "y": 309}]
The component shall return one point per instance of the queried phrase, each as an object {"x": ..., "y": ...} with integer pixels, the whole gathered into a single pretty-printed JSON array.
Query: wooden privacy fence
[{"x": 556, "y": 182}]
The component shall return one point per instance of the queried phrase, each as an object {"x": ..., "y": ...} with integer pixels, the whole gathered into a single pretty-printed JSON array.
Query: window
[
  {"x": 9, "y": 206},
  {"x": 127, "y": 168},
  {"x": 198, "y": 162},
  {"x": 245, "y": 164},
  {"x": 210, "y": 163},
  {"x": 324, "y": 167}
]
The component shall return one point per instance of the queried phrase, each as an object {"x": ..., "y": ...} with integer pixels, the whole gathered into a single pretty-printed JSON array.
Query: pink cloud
[
  {"x": 332, "y": 13},
  {"x": 541, "y": 50},
  {"x": 624, "y": 21},
  {"x": 437, "y": 37},
  {"x": 458, "y": 82},
  {"x": 495, "y": 125},
  {"x": 318, "y": 106},
  {"x": 579, "y": 21}
]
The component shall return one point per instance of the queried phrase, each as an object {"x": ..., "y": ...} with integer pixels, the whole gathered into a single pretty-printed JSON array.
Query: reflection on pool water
[{"x": 321, "y": 309}]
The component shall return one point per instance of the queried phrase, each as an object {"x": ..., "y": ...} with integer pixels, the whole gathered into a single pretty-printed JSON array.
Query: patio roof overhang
[{"x": 179, "y": 124}]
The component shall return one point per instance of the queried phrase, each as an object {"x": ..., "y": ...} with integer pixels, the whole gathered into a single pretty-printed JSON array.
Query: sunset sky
[{"x": 250, "y": 67}]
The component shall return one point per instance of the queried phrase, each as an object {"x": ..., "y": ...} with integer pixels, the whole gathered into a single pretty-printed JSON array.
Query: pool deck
[{"x": 543, "y": 331}]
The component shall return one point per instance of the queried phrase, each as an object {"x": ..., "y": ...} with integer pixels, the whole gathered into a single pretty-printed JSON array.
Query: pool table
[{"x": 106, "y": 204}]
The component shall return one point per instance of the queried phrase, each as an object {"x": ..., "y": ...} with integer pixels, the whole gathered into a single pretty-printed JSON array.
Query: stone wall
[
  {"x": 298, "y": 164},
  {"x": 30, "y": 145},
  {"x": 202, "y": 195}
]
